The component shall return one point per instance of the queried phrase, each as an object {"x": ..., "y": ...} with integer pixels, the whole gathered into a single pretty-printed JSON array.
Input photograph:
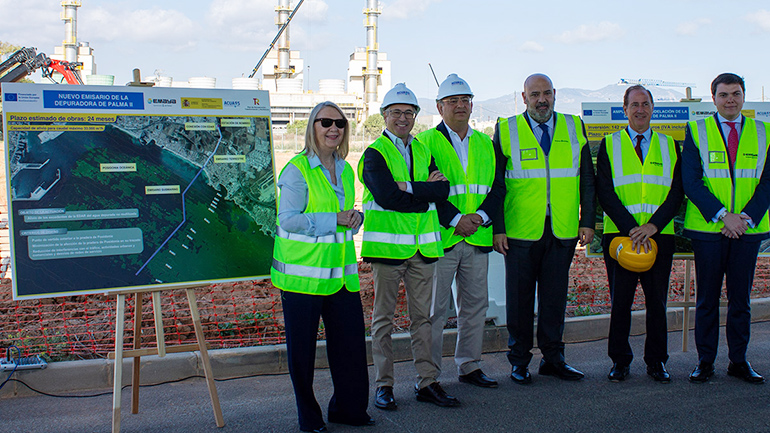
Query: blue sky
[{"x": 494, "y": 45}]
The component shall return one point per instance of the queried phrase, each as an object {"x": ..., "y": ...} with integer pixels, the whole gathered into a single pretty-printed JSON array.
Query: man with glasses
[
  {"x": 466, "y": 157},
  {"x": 402, "y": 241},
  {"x": 549, "y": 207}
]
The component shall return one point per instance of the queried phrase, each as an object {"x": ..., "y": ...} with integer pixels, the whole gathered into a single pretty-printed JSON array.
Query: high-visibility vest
[
  {"x": 317, "y": 265},
  {"x": 532, "y": 179},
  {"x": 733, "y": 190},
  {"x": 399, "y": 235},
  {"x": 466, "y": 191},
  {"x": 642, "y": 188}
]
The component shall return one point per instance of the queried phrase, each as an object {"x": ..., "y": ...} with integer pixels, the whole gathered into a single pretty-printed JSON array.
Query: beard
[{"x": 534, "y": 114}]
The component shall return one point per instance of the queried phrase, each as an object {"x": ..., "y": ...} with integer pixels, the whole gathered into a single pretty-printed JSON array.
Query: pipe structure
[
  {"x": 371, "y": 74},
  {"x": 70, "y": 18},
  {"x": 284, "y": 67}
]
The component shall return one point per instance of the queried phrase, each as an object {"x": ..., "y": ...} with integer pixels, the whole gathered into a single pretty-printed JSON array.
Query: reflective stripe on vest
[
  {"x": 735, "y": 191},
  {"x": 316, "y": 273},
  {"x": 400, "y": 235},
  {"x": 317, "y": 265},
  {"x": 533, "y": 180},
  {"x": 641, "y": 187},
  {"x": 468, "y": 186}
]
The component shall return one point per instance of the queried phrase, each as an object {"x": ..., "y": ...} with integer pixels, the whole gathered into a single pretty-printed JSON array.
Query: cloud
[
  {"x": 690, "y": 28},
  {"x": 761, "y": 18},
  {"x": 164, "y": 27},
  {"x": 531, "y": 47},
  {"x": 403, "y": 9},
  {"x": 591, "y": 33},
  {"x": 249, "y": 25}
]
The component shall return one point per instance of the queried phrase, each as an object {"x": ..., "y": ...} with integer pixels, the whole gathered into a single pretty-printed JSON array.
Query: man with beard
[
  {"x": 549, "y": 207},
  {"x": 466, "y": 158}
]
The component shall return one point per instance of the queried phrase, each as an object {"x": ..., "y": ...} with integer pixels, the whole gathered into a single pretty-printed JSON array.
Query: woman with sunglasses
[{"x": 315, "y": 266}]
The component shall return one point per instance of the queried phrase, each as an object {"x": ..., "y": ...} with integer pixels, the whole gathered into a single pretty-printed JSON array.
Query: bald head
[{"x": 539, "y": 96}]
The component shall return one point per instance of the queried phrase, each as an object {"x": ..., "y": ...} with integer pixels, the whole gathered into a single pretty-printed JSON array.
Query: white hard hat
[
  {"x": 453, "y": 86},
  {"x": 399, "y": 94}
]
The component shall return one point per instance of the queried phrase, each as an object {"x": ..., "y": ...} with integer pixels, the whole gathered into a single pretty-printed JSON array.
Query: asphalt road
[{"x": 266, "y": 403}]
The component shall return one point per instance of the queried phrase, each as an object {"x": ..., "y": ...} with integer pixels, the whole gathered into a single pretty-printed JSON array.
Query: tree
[
  {"x": 490, "y": 131},
  {"x": 297, "y": 127},
  {"x": 419, "y": 127},
  {"x": 8, "y": 48},
  {"x": 374, "y": 124}
]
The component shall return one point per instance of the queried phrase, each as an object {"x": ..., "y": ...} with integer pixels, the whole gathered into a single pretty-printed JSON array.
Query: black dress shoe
[
  {"x": 619, "y": 372},
  {"x": 383, "y": 398},
  {"x": 520, "y": 374},
  {"x": 744, "y": 371},
  {"x": 657, "y": 371},
  {"x": 478, "y": 378},
  {"x": 561, "y": 370},
  {"x": 702, "y": 372},
  {"x": 435, "y": 394}
]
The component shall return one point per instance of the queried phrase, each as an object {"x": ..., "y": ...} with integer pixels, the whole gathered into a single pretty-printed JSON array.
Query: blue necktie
[{"x": 545, "y": 139}]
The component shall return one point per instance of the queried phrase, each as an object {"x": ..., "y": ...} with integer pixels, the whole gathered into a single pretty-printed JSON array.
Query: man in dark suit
[
  {"x": 639, "y": 186},
  {"x": 726, "y": 177},
  {"x": 548, "y": 208}
]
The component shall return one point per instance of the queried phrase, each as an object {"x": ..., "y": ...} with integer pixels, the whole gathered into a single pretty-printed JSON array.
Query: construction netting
[{"x": 242, "y": 314}]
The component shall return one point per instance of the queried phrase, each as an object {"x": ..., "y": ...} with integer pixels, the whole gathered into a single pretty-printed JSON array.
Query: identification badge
[
  {"x": 528, "y": 154},
  {"x": 717, "y": 157}
]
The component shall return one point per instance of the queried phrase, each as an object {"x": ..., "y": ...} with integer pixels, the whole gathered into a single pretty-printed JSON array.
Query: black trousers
[
  {"x": 343, "y": 320},
  {"x": 735, "y": 259},
  {"x": 543, "y": 264},
  {"x": 622, "y": 290}
]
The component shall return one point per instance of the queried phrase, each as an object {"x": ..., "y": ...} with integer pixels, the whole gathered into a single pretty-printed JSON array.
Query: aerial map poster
[{"x": 122, "y": 188}]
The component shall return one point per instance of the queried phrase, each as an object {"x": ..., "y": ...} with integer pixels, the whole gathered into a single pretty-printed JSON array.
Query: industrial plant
[{"x": 280, "y": 72}]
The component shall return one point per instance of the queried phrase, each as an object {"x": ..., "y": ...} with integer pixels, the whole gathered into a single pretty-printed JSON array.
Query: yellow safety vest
[
  {"x": 641, "y": 188},
  {"x": 466, "y": 191},
  {"x": 733, "y": 191},
  {"x": 531, "y": 178},
  {"x": 399, "y": 235},
  {"x": 317, "y": 265}
]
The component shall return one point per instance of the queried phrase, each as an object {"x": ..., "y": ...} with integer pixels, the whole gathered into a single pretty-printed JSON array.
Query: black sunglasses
[{"x": 326, "y": 122}]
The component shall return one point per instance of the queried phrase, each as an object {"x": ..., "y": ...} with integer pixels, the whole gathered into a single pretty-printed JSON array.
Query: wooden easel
[{"x": 161, "y": 351}]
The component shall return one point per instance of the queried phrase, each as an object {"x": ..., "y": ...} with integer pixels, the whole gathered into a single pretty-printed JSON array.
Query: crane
[
  {"x": 651, "y": 82},
  {"x": 660, "y": 83},
  {"x": 26, "y": 60}
]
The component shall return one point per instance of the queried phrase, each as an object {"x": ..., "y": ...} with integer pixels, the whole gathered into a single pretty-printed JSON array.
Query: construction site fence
[{"x": 241, "y": 314}]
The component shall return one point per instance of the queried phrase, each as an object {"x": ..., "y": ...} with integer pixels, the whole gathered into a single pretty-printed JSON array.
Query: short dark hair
[
  {"x": 726, "y": 78},
  {"x": 636, "y": 87}
]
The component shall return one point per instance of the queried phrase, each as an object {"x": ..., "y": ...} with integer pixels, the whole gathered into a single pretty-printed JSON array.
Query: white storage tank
[
  {"x": 100, "y": 80},
  {"x": 289, "y": 85},
  {"x": 203, "y": 82},
  {"x": 180, "y": 84},
  {"x": 331, "y": 87},
  {"x": 245, "y": 83}
]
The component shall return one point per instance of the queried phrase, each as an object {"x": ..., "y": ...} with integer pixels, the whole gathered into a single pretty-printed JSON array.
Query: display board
[
  {"x": 123, "y": 188},
  {"x": 670, "y": 118}
]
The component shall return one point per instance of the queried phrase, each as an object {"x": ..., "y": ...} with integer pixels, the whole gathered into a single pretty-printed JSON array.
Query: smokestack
[
  {"x": 284, "y": 68},
  {"x": 371, "y": 74},
  {"x": 70, "y": 18}
]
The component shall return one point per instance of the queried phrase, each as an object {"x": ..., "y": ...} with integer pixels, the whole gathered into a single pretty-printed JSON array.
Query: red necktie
[
  {"x": 638, "y": 147},
  {"x": 732, "y": 143}
]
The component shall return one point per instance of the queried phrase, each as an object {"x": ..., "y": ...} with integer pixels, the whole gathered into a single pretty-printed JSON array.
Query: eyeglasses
[
  {"x": 326, "y": 122},
  {"x": 454, "y": 101},
  {"x": 398, "y": 113}
]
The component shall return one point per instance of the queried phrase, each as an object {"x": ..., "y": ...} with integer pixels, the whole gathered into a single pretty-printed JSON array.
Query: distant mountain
[{"x": 568, "y": 100}]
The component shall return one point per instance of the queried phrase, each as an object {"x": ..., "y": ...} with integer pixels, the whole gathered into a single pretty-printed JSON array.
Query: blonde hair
[{"x": 311, "y": 147}]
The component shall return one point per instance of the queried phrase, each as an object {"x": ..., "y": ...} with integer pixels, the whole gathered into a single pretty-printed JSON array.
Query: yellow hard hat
[{"x": 621, "y": 249}]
